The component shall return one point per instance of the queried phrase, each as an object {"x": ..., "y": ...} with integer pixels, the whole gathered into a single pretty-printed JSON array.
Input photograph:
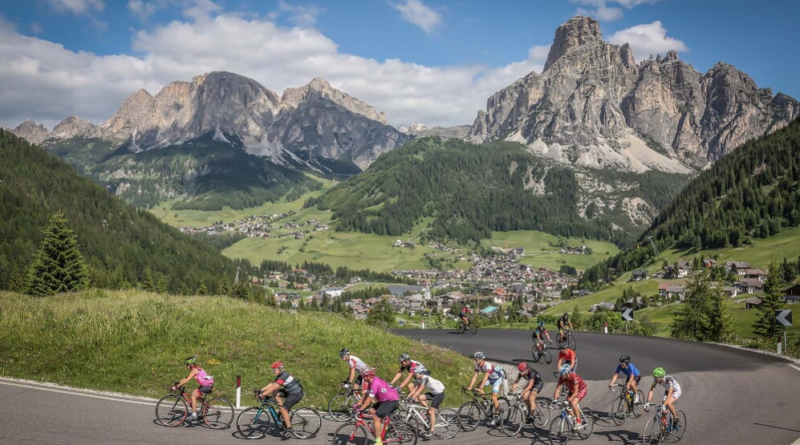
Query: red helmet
[
  {"x": 522, "y": 366},
  {"x": 367, "y": 373},
  {"x": 278, "y": 364}
]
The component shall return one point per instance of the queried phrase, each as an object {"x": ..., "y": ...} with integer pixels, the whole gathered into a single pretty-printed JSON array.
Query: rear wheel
[
  {"x": 253, "y": 423},
  {"x": 547, "y": 357},
  {"x": 535, "y": 354},
  {"x": 559, "y": 431},
  {"x": 306, "y": 423},
  {"x": 171, "y": 410},
  {"x": 447, "y": 423},
  {"x": 460, "y": 327},
  {"x": 469, "y": 416},
  {"x": 218, "y": 414},
  {"x": 473, "y": 328},
  {"x": 587, "y": 417},
  {"x": 512, "y": 420},
  {"x": 571, "y": 343},
  {"x": 619, "y": 410},
  {"x": 350, "y": 433},
  {"x": 339, "y": 406},
  {"x": 638, "y": 408},
  {"x": 401, "y": 433},
  {"x": 541, "y": 416}
]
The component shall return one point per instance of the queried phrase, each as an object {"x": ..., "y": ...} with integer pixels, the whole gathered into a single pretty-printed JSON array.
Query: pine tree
[
  {"x": 381, "y": 314},
  {"x": 577, "y": 318},
  {"x": 766, "y": 325},
  {"x": 161, "y": 286},
  {"x": 149, "y": 285},
  {"x": 692, "y": 322},
  {"x": 59, "y": 265},
  {"x": 223, "y": 288},
  {"x": 202, "y": 290}
]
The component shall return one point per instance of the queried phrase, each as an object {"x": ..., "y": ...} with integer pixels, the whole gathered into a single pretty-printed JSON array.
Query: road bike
[
  {"x": 537, "y": 354},
  {"x": 340, "y": 404},
  {"x": 254, "y": 422},
  {"x": 461, "y": 328},
  {"x": 659, "y": 428},
  {"x": 357, "y": 431},
  {"x": 562, "y": 428},
  {"x": 516, "y": 415},
  {"x": 173, "y": 409},
  {"x": 626, "y": 405},
  {"x": 447, "y": 420},
  {"x": 567, "y": 339},
  {"x": 472, "y": 412}
]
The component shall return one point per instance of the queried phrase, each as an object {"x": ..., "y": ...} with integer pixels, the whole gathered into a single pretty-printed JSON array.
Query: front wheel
[
  {"x": 547, "y": 357},
  {"x": 638, "y": 408},
  {"x": 460, "y": 327},
  {"x": 447, "y": 423},
  {"x": 541, "y": 416},
  {"x": 587, "y": 417},
  {"x": 652, "y": 432},
  {"x": 171, "y": 410},
  {"x": 469, "y": 415},
  {"x": 253, "y": 423},
  {"x": 339, "y": 406},
  {"x": 619, "y": 410},
  {"x": 677, "y": 434},
  {"x": 571, "y": 343},
  {"x": 512, "y": 420},
  {"x": 559, "y": 431},
  {"x": 306, "y": 422},
  {"x": 218, "y": 414},
  {"x": 350, "y": 433},
  {"x": 473, "y": 328}
]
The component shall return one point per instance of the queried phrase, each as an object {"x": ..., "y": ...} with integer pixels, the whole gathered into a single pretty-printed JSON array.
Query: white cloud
[
  {"x": 302, "y": 16},
  {"x": 418, "y": 13},
  {"x": 47, "y": 82},
  {"x": 602, "y": 13},
  {"x": 143, "y": 10},
  {"x": 78, "y": 7},
  {"x": 647, "y": 39},
  {"x": 605, "y": 13},
  {"x": 36, "y": 28}
]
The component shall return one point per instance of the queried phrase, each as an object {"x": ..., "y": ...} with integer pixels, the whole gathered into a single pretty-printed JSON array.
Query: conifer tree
[
  {"x": 202, "y": 289},
  {"x": 59, "y": 265},
  {"x": 766, "y": 325},
  {"x": 161, "y": 286},
  {"x": 149, "y": 284}
]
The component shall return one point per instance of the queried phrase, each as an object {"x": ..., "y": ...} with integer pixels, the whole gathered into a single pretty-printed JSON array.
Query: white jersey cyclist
[
  {"x": 433, "y": 385},
  {"x": 357, "y": 363},
  {"x": 669, "y": 382}
]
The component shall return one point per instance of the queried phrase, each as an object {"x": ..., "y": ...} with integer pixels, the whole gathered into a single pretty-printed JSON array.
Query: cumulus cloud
[
  {"x": 47, "y": 82},
  {"x": 143, "y": 10},
  {"x": 416, "y": 12},
  {"x": 302, "y": 16},
  {"x": 77, "y": 6},
  {"x": 647, "y": 39},
  {"x": 605, "y": 13}
]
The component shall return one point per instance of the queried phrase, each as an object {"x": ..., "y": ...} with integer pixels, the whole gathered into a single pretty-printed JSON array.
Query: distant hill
[
  {"x": 753, "y": 192},
  {"x": 115, "y": 239},
  {"x": 469, "y": 191}
]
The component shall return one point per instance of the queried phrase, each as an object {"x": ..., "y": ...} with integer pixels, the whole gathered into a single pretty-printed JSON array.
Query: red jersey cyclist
[
  {"x": 465, "y": 313},
  {"x": 285, "y": 387},
  {"x": 577, "y": 391}
]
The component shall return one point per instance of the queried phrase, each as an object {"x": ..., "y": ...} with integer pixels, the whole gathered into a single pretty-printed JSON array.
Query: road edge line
[{"x": 52, "y": 387}]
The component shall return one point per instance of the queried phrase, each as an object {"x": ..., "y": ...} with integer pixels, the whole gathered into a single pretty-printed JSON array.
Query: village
[{"x": 260, "y": 226}]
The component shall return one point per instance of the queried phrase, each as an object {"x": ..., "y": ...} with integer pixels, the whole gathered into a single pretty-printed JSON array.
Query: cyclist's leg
[
  {"x": 381, "y": 411},
  {"x": 670, "y": 403},
  {"x": 532, "y": 397},
  {"x": 495, "y": 392},
  {"x": 289, "y": 401},
  {"x": 436, "y": 400},
  {"x": 196, "y": 394}
]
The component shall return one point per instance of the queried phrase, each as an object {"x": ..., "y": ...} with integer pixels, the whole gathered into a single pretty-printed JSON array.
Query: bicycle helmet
[
  {"x": 625, "y": 359},
  {"x": 479, "y": 355},
  {"x": 420, "y": 370},
  {"x": 566, "y": 314},
  {"x": 564, "y": 369},
  {"x": 344, "y": 352},
  {"x": 368, "y": 373},
  {"x": 659, "y": 372},
  {"x": 468, "y": 307},
  {"x": 277, "y": 365},
  {"x": 541, "y": 324},
  {"x": 404, "y": 356},
  {"x": 522, "y": 366},
  {"x": 190, "y": 360}
]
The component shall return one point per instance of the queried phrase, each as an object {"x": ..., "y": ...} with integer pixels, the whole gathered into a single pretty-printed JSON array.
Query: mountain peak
[
  {"x": 319, "y": 83},
  {"x": 31, "y": 131},
  {"x": 577, "y": 31}
]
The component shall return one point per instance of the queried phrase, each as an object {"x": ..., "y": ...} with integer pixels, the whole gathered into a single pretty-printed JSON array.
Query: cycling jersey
[
  {"x": 435, "y": 386},
  {"x": 539, "y": 331},
  {"x": 290, "y": 384},
  {"x": 630, "y": 369},
  {"x": 412, "y": 365},
  {"x": 567, "y": 355},
  {"x": 562, "y": 322},
  {"x": 356, "y": 363},
  {"x": 571, "y": 380},
  {"x": 202, "y": 378},
  {"x": 532, "y": 375},
  {"x": 465, "y": 311},
  {"x": 487, "y": 367},
  {"x": 381, "y": 391},
  {"x": 670, "y": 382}
]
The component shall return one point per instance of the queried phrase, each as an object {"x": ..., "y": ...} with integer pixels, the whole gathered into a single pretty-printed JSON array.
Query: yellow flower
[{"x": 213, "y": 361}]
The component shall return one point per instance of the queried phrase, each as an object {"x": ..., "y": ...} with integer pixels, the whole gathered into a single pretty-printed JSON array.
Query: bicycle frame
[
  {"x": 188, "y": 400},
  {"x": 361, "y": 422},
  {"x": 479, "y": 397}
]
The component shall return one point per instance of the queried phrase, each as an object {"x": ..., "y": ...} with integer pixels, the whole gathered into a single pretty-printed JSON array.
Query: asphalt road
[{"x": 730, "y": 397}]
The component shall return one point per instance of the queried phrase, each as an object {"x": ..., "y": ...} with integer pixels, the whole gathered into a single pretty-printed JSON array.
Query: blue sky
[{"x": 430, "y": 61}]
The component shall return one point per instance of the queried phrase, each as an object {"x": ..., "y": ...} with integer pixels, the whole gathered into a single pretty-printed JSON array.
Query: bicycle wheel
[
  {"x": 571, "y": 343},
  {"x": 638, "y": 408},
  {"x": 473, "y": 328},
  {"x": 535, "y": 354},
  {"x": 587, "y": 417},
  {"x": 253, "y": 423},
  {"x": 339, "y": 406},
  {"x": 447, "y": 423},
  {"x": 559, "y": 431},
  {"x": 540, "y": 417},
  {"x": 547, "y": 357},
  {"x": 460, "y": 328},
  {"x": 559, "y": 340},
  {"x": 171, "y": 410},
  {"x": 677, "y": 433},
  {"x": 652, "y": 432},
  {"x": 469, "y": 415},
  {"x": 306, "y": 422},
  {"x": 218, "y": 413},
  {"x": 619, "y": 410},
  {"x": 512, "y": 420},
  {"x": 350, "y": 433},
  {"x": 400, "y": 433}
]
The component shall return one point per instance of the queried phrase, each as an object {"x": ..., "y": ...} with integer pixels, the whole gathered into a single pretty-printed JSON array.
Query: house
[
  {"x": 518, "y": 251},
  {"x": 708, "y": 263},
  {"x": 738, "y": 267},
  {"x": 672, "y": 291},
  {"x": 333, "y": 292},
  {"x": 750, "y": 285},
  {"x": 791, "y": 299},
  {"x": 683, "y": 268},
  {"x": 751, "y": 303},
  {"x": 730, "y": 291},
  {"x": 758, "y": 274},
  {"x": 602, "y": 306},
  {"x": 639, "y": 275},
  {"x": 792, "y": 290}
]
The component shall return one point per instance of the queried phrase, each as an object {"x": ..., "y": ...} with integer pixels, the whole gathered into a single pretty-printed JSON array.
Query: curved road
[{"x": 730, "y": 397}]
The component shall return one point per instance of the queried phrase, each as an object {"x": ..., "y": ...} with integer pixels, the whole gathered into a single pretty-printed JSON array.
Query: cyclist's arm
[
  {"x": 396, "y": 376},
  {"x": 189, "y": 377},
  {"x": 472, "y": 383},
  {"x": 570, "y": 324},
  {"x": 650, "y": 393},
  {"x": 573, "y": 361},
  {"x": 485, "y": 378},
  {"x": 352, "y": 375},
  {"x": 560, "y": 360},
  {"x": 614, "y": 379},
  {"x": 414, "y": 394},
  {"x": 407, "y": 380},
  {"x": 269, "y": 389},
  {"x": 366, "y": 401}
]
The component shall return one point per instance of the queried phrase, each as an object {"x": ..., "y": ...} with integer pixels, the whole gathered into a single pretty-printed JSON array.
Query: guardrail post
[{"x": 238, "y": 391}]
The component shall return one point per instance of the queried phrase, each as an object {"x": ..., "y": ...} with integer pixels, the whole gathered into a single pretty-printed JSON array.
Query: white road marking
[
  {"x": 94, "y": 396},
  {"x": 795, "y": 367}
]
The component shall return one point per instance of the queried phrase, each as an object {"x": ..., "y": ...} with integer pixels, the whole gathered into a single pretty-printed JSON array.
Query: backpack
[{"x": 500, "y": 371}]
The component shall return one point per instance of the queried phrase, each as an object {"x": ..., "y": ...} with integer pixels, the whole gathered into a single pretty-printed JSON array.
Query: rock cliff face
[
  {"x": 593, "y": 106},
  {"x": 31, "y": 131}
]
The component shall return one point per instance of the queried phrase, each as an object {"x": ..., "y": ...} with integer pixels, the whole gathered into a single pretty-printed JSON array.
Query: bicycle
[
  {"x": 561, "y": 429},
  {"x": 173, "y": 409},
  {"x": 545, "y": 352},
  {"x": 447, "y": 420},
  {"x": 254, "y": 422},
  {"x": 517, "y": 414},
  {"x": 568, "y": 339},
  {"x": 392, "y": 431},
  {"x": 339, "y": 405},
  {"x": 479, "y": 408},
  {"x": 461, "y": 328},
  {"x": 626, "y": 406},
  {"x": 660, "y": 426}
]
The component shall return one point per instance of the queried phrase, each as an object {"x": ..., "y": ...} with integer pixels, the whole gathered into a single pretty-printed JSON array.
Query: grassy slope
[
  {"x": 539, "y": 253},
  {"x": 135, "y": 342}
]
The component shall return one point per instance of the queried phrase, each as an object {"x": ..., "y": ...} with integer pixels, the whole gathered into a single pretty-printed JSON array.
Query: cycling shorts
[
  {"x": 205, "y": 389},
  {"x": 581, "y": 394},
  {"x": 385, "y": 409},
  {"x": 538, "y": 386},
  {"x": 495, "y": 384},
  {"x": 437, "y": 398},
  {"x": 638, "y": 378},
  {"x": 675, "y": 395}
]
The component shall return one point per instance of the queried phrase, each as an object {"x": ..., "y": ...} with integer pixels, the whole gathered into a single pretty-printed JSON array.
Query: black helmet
[
  {"x": 625, "y": 359},
  {"x": 563, "y": 346},
  {"x": 566, "y": 314},
  {"x": 344, "y": 352}
]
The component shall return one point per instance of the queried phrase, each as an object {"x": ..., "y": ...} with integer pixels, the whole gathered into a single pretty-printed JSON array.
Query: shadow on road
[{"x": 621, "y": 436}]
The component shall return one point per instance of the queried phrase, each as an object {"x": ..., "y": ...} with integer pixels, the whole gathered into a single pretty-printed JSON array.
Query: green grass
[
  {"x": 135, "y": 342},
  {"x": 539, "y": 253},
  {"x": 609, "y": 294}
]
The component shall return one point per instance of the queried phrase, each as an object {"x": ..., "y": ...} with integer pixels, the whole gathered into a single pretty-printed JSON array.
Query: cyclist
[
  {"x": 205, "y": 382},
  {"x": 633, "y": 376},
  {"x": 567, "y": 356},
  {"x": 577, "y": 391},
  {"x": 532, "y": 388},
  {"x": 408, "y": 365},
  {"x": 562, "y": 324},
  {"x": 672, "y": 392},
  {"x": 386, "y": 398},
  {"x": 285, "y": 387},
  {"x": 435, "y": 394},
  {"x": 490, "y": 377},
  {"x": 356, "y": 366},
  {"x": 465, "y": 313},
  {"x": 538, "y": 335}
]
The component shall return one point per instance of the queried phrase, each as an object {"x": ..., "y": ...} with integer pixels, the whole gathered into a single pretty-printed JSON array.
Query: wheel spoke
[
  {"x": 306, "y": 422},
  {"x": 218, "y": 414},
  {"x": 253, "y": 423},
  {"x": 171, "y": 410}
]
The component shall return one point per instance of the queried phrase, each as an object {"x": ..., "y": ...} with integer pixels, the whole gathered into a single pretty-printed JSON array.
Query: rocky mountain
[
  {"x": 594, "y": 106},
  {"x": 31, "y": 132},
  {"x": 422, "y": 130}
]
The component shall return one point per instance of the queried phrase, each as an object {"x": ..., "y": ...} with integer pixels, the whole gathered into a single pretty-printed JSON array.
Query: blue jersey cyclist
[{"x": 632, "y": 376}]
